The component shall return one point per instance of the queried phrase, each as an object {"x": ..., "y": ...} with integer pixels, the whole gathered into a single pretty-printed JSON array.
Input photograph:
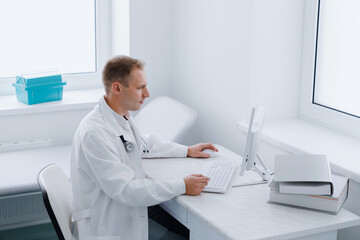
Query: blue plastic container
[{"x": 39, "y": 89}]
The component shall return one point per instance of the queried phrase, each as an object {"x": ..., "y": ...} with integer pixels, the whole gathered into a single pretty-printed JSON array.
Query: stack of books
[{"x": 306, "y": 181}]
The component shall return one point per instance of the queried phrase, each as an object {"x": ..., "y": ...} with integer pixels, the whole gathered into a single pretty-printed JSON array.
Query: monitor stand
[{"x": 254, "y": 176}]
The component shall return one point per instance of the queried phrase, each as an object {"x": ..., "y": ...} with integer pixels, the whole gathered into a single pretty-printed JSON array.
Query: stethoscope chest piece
[{"x": 129, "y": 147}]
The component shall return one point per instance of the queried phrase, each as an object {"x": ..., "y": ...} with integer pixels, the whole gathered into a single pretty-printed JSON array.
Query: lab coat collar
[
  {"x": 109, "y": 118},
  {"x": 112, "y": 123},
  {"x": 120, "y": 119}
]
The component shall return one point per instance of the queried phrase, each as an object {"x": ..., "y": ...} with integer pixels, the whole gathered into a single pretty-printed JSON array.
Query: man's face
[{"x": 133, "y": 97}]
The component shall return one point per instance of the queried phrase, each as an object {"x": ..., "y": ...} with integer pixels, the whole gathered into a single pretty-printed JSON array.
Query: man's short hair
[{"x": 118, "y": 69}]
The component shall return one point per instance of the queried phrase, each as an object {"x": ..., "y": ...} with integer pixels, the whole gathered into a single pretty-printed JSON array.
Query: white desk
[{"x": 241, "y": 213}]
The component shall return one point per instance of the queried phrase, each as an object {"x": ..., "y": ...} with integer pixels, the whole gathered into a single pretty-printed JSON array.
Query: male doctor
[{"x": 111, "y": 193}]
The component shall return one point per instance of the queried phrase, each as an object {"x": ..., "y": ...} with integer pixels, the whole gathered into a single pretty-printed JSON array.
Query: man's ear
[{"x": 116, "y": 88}]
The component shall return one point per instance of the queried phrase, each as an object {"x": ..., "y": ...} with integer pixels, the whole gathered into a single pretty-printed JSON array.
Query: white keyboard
[{"x": 220, "y": 173}]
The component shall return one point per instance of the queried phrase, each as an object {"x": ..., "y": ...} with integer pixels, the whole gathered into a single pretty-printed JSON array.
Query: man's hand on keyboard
[{"x": 195, "y": 183}]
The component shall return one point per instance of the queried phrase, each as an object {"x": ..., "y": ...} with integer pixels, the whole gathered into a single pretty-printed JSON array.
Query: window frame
[
  {"x": 103, "y": 42},
  {"x": 309, "y": 110}
]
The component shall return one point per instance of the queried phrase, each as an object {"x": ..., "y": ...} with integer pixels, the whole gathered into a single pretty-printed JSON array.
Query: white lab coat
[{"x": 111, "y": 193}]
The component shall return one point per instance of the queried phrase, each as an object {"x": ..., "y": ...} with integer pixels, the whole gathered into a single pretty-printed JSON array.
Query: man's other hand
[
  {"x": 195, "y": 151},
  {"x": 195, "y": 183}
]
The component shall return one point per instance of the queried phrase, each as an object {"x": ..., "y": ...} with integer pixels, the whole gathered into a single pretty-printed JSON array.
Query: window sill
[
  {"x": 72, "y": 100},
  {"x": 299, "y": 136}
]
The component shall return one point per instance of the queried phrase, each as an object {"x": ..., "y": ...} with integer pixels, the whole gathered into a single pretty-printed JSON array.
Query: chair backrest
[
  {"x": 57, "y": 196},
  {"x": 166, "y": 118}
]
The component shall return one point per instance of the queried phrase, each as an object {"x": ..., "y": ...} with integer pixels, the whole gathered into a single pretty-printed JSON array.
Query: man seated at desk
[{"x": 111, "y": 193}]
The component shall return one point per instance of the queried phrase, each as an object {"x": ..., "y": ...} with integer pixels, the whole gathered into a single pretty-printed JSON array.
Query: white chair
[
  {"x": 57, "y": 196},
  {"x": 166, "y": 118}
]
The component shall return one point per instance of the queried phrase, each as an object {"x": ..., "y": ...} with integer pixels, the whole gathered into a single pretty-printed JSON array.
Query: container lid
[{"x": 39, "y": 78}]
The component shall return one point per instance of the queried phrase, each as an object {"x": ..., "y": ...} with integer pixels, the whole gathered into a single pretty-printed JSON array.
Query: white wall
[
  {"x": 58, "y": 126},
  {"x": 225, "y": 52},
  {"x": 151, "y": 41},
  {"x": 276, "y": 47},
  {"x": 211, "y": 70}
]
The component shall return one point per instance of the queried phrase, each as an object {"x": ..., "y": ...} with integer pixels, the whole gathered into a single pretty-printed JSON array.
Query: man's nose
[{"x": 146, "y": 93}]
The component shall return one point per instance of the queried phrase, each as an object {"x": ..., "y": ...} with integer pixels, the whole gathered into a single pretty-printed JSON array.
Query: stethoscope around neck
[{"x": 129, "y": 147}]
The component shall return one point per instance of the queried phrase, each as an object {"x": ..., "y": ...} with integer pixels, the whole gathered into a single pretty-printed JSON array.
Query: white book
[
  {"x": 314, "y": 188},
  {"x": 331, "y": 204},
  {"x": 303, "y": 174}
]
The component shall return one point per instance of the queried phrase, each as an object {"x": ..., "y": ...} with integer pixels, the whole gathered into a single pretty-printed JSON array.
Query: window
[
  {"x": 330, "y": 80},
  {"x": 337, "y": 71},
  {"x": 44, "y": 34},
  {"x": 74, "y": 37}
]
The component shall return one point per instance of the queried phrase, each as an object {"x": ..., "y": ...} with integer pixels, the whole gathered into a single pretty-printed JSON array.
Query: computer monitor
[{"x": 251, "y": 158}]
